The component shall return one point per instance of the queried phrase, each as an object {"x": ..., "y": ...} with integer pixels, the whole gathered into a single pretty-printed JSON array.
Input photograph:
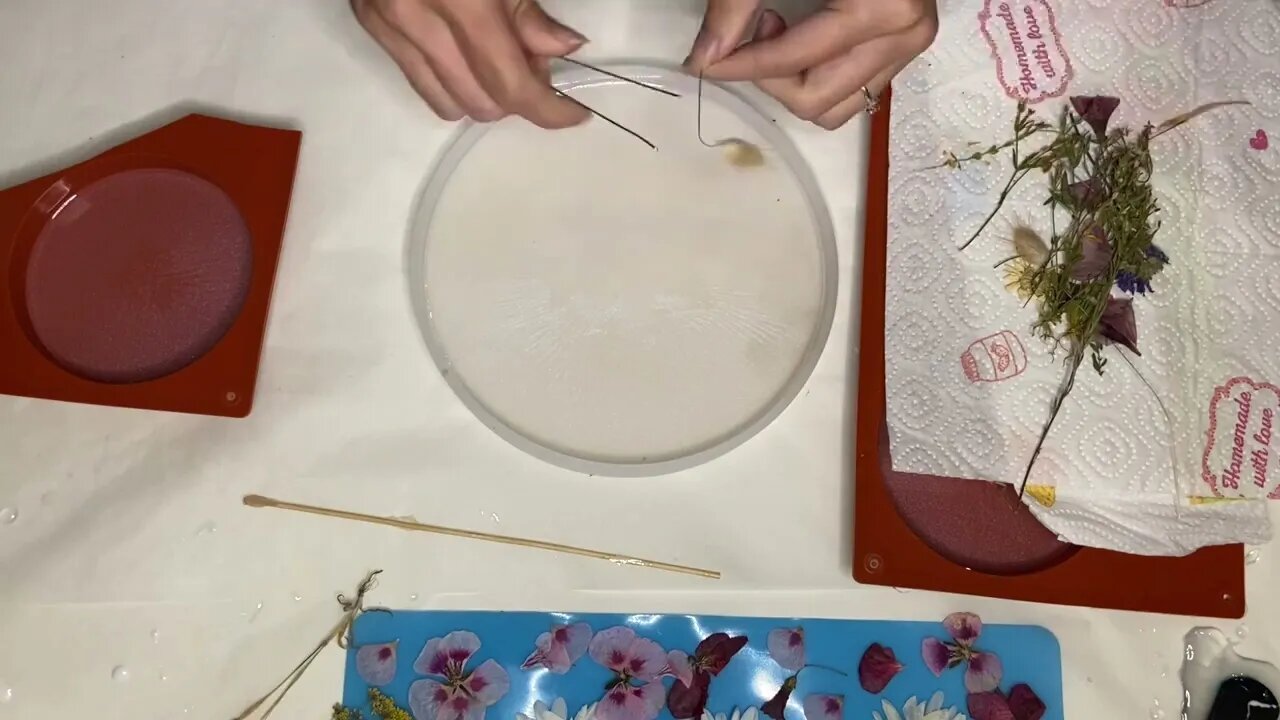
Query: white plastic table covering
[{"x": 131, "y": 549}]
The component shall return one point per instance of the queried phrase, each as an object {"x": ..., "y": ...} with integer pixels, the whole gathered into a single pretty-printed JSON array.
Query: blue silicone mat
[{"x": 1029, "y": 655}]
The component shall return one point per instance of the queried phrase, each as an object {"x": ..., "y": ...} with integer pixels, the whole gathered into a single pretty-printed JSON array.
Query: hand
[
  {"x": 818, "y": 68},
  {"x": 483, "y": 59}
]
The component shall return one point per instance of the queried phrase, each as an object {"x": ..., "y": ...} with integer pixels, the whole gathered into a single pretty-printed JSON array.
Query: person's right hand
[{"x": 482, "y": 59}]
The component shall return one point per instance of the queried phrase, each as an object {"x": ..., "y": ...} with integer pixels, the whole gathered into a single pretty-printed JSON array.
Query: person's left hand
[{"x": 823, "y": 68}]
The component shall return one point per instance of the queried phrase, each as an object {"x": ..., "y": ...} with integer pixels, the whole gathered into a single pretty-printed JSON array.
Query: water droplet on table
[
  {"x": 208, "y": 528},
  {"x": 120, "y": 673},
  {"x": 257, "y": 610},
  {"x": 155, "y": 637},
  {"x": 1242, "y": 631},
  {"x": 8, "y": 516},
  {"x": 6, "y": 695},
  {"x": 297, "y": 597},
  {"x": 413, "y": 597},
  {"x": 490, "y": 516},
  {"x": 163, "y": 677},
  {"x": 1251, "y": 557}
]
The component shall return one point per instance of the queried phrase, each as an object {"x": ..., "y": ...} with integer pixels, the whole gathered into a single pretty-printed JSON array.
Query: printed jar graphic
[{"x": 994, "y": 358}]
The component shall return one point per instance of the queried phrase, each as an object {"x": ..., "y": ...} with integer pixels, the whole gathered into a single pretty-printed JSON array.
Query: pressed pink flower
[
  {"x": 965, "y": 627},
  {"x": 631, "y": 702},
  {"x": 1095, "y": 257},
  {"x": 680, "y": 667},
  {"x": 1118, "y": 323},
  {"x": 877, "y": 667},
  {"x": 688, "y": 698},
  {"x": 376, "y": 664},
  {"x": 620, "y": 650},
  {"x": 560, "y": 648},
  {"x": 937, "y": 656},
  {"x": 983, "y": 669},
  {"x": 786, "y": 647},
  {"x": 1086, "y": 193},
  {"x": 824, "y": 707},
  {"x": 447, "y": 656},
  {"x": 983, "y": 673},
  {"x": 462, "y": 695},
  {"x": 1095, "y": 110}
]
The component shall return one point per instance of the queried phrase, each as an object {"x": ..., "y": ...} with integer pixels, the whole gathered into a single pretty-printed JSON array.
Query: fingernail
[
  {"x": 572, "y": 37},
  {"x": 702, "y": 54}
]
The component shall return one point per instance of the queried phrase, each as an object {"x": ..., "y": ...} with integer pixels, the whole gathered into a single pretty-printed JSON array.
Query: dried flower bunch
[{"x": 1101, "y": 241}]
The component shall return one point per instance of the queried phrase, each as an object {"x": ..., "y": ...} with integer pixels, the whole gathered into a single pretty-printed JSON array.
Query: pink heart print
[{"x": 1259, "y": 141}]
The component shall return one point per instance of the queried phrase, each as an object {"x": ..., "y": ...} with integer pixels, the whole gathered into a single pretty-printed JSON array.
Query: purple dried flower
[
  {"x": 1096, "y": 258},
  {"x": 877, "y": 667},
  {"x": 776, "y": 706},
  {"x": 989, "y": 706},
  {"x": 1132, "y": 284},
  {"x": 1086, "y": 193},
  {"x": 1095, "y": 110},
  {"x": 1024, "y": 703},
  {"x": 1118, "y": 324}
]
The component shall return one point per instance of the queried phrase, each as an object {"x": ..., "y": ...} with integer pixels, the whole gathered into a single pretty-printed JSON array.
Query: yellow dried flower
[
  {"x": 1019, "y": 278},
  {"x": 386, "y": 708},
  {"x": 344, "y": 713}
]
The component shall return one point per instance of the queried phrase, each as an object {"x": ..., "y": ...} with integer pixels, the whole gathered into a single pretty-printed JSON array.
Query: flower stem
[{"x": 828, "y": 668}]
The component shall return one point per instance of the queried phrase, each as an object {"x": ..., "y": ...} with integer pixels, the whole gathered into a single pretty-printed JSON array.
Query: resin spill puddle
[{"x": 1219, "y": 684}]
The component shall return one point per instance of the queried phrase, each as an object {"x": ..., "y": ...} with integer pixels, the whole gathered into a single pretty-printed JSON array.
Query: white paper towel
[{"x": 969, "y": 388}]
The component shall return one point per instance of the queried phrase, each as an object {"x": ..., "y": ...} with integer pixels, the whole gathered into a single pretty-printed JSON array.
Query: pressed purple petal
[
  {"x": 651, "y": 696},
  {"x": 786, "y": 647},
  {"x": 426, "y": 698},
  {"x": 824, "y": 707},
  {"x": 1095, "y": 257},
  {"x": 680, "y": 667},
  {"x": 1118, "y": 323},
  {"x": 560, "y": 648},
  {"x": 716, "y": 650},
  {"x": 488, "y": 683},
  {"x": 776, "y": 706},
  {"x": 626, "y": 702},
  {"x": 1025, "y": 704},
  {"x": 548, "y": 655},
  {"x": 461, "y": 707},
  {"x": 376, "y": 664},
  {"x": 612, "y": 647},
  {"x": 575, "y": 638},
  {"x": 936, "y": 655},
  {"x": 447, "y": 656},
  {"x": 1095, "y": 110},
  {"x": 988, "y": 706},
  {"x": 688, "y": 700},
  {"x": 877, "y": 667},
  {"x": 984, "y": 673},
  {"x": 1086, "y": 193},
  {"x": 965, "y": 627},
  {"x": 645, "y": 659}
]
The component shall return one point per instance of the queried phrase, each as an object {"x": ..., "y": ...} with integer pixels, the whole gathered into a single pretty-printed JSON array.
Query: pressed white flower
[
  {"x": 750, "y": 713},
  {"x": 916, "y": 710},
  {"x": 558, "y": 710}
]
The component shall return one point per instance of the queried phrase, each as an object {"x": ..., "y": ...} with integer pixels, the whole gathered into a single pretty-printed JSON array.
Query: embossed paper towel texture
[{"x": 969, "y": 388}]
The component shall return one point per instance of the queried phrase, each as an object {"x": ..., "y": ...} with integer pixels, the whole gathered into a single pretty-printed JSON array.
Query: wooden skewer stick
[{"x": 258, "y": 501}]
